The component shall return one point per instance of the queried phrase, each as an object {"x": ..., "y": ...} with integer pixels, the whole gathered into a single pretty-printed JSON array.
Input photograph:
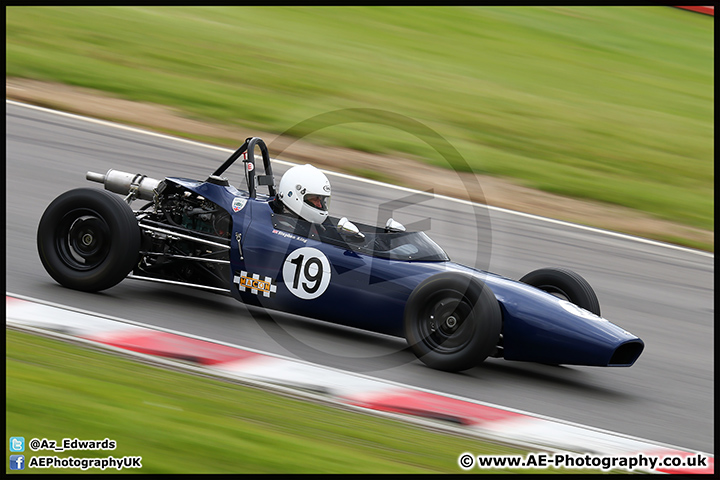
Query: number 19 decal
[{"x": 306, "y": 273}]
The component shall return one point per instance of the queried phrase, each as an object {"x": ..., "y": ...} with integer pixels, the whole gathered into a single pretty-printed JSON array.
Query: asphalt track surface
[{"x": 662, "y": 294}]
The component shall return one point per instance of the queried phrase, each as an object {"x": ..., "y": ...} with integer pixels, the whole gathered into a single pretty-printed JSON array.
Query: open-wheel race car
[{"x": 209, "y": 235}]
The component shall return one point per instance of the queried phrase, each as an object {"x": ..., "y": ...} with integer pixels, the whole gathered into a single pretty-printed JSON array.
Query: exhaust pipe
[{"x": 129, "y": 184}]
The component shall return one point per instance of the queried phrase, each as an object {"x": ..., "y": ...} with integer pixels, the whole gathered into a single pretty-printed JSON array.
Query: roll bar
[{"x": 253, "y": 181}]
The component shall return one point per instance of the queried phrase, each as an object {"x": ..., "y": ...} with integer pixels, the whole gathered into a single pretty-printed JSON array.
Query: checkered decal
[{"x": 254, "y": 284}]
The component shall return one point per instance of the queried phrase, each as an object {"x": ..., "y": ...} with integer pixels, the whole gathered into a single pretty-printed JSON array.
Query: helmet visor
[{"x": 321, "y": 202}]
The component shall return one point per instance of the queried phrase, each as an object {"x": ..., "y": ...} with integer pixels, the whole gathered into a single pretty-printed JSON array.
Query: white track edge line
[
  {"x": 623, "y": 236},
  {"x": 360, "y": 375}
]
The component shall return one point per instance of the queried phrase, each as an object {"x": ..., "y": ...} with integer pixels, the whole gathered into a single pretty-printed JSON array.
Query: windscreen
[
  {"x": 408, "y": 246},
  {"x": 376, "y": 242}
]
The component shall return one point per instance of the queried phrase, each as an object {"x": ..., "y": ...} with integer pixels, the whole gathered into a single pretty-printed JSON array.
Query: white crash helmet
[{"x": 305, "y": 190}]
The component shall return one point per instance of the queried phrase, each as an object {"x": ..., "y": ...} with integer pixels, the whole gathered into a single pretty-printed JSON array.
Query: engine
[
  {"x": 186, "y": 237},
  {"x": 181, "y": 208},
  {"x": 193, "y": 258},
  {"x": 191, "y": 211}
]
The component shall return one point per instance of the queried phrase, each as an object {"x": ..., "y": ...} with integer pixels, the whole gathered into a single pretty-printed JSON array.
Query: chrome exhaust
[{"x": 134, "y": 185}]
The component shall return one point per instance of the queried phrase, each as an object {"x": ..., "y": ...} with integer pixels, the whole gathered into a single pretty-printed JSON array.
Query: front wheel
[
  {"x": 452, "y": 321},
  {"x": 88, "y": 239},
  {"x": 565, "y": 284}
]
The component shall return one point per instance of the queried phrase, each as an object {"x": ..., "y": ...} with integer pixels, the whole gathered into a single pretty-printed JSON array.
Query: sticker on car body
[
  {"x": 306, "y": 273},
  {"x": 238, "y": 203},
  {"x": 254, "y": 284}
]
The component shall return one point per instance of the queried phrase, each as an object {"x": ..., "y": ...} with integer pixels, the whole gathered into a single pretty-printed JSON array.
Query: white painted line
[
  {"x": 301, "y": 375},
  {"x": 375, "y": 182},
  {"x": 39, "y": 315}
]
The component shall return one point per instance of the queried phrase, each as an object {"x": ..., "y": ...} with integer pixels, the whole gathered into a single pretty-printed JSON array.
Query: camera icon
[{"x": 17, "y": 444}]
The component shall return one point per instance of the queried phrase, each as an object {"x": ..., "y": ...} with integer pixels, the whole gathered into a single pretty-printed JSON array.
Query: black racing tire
[
  {"x": 88, "y": 239},
  {"x": 446, "y": 344},
  {"x": 566, "y": 284}
]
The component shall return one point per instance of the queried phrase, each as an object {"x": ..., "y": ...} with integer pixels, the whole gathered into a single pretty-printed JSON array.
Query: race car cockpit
[{"x": 390, "y": 243}]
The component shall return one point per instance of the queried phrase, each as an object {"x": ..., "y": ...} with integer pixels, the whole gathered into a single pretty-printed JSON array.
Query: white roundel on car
[{"x": 306, "y": 273}]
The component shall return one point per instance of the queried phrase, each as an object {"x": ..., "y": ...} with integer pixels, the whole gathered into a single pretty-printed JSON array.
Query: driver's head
[{"x": 305, "y": 190}]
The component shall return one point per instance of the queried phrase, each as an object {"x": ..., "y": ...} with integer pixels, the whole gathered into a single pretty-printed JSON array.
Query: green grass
[
  {"x": 181, "y": 423},
  {"x": 614, "y": 104}
]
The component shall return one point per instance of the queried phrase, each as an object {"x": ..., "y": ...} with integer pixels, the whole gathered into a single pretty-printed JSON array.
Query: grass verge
[{"x": 181, "y": 423}]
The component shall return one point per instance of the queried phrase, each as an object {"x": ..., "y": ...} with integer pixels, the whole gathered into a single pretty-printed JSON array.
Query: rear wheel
[
  {"x": 452, "y": 321},
  {"x": 88, "y": 239},
  {"x": 565, "y": 284}
]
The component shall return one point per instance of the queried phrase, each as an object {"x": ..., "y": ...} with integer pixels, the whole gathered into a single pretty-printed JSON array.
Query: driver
[{"x": 305, "y": 191}]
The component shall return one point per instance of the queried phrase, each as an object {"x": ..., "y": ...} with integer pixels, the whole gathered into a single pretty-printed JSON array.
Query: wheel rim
[
  {"x": 442, "y": 322},
  {"x": 83, "y": 239}
]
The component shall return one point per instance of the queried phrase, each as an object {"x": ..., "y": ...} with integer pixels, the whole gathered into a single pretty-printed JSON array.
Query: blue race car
[{"x": 283, "y": 252}]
